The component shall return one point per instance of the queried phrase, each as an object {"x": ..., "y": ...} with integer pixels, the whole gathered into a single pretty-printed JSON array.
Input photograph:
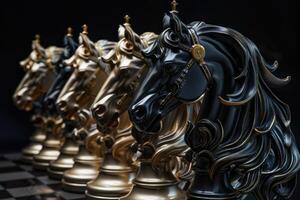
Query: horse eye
[{"x": 173, "y": 36}]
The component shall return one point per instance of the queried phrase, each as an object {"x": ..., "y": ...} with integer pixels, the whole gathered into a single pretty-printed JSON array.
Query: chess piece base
[
  {"x": 149, "y": 185},
  {"x": 113, "y": 181},
  {"x": 48, "y": 153},
  {"x": 85, "y": 169},
  {"x": 203, "y": 187},
  {"x": 65, "y": 160},
  {"x": 35, "y": 146}
]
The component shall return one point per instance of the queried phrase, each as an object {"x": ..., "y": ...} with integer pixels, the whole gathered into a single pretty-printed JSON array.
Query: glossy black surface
[{"x": 242, "y": 142}]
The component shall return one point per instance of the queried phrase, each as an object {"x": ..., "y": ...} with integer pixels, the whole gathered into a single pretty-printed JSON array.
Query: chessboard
[{"x": 19, "y": 181}]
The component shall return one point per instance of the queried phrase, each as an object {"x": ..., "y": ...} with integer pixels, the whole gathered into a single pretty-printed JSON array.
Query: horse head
[
  {"x": 39, "y": 75},
  {"x": 87, "y": 78}
]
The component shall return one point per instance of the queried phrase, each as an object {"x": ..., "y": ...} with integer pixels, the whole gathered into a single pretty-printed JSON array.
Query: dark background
[{"x": 271, "y": 25}]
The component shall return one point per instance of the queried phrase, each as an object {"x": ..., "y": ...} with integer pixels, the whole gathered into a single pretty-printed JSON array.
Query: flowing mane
[
  {"x": 257, "y": 148},
  {"x": 262, "y": 143},
  {"x": 123, "y": 138},
  {"x": 170, "y": 147}
]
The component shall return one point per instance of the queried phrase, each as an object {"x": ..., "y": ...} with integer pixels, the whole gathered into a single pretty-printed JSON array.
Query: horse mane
[
  {"x": 123, "y": 138},
  {"x": 170, "y": 147},
  {"x": 260, "y": 147}
]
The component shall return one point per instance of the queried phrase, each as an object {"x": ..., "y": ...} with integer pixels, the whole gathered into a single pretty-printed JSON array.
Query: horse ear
[
  {"x": 131, "y": 36},
  {"x": 174, "y": 23},
  {"x": 121, "y": 32},
  {"x": 37, "y": 47},
  {"x": 85, "y": 41},
  {"x": 70, "y": 46}
]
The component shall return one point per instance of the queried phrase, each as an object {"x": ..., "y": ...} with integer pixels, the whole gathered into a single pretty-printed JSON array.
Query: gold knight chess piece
[
  {"x": 51, "y": 145},
  {"x": 88, "y": 159},
  {"x": 35, "y": 83},
  {"x": 73, "y": 104},
  {"x": 110, "y": 111},
  {"x": 36, "y": 140}
]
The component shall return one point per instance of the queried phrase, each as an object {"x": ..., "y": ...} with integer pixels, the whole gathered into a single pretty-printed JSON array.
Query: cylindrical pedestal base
[
  {"x": 114, "y": 180},
  {"x": 49, "y": 152},
  {"x": 65, "y": 160},
  {"x": 35, "y": 146},
  {"x": 149, "y": 185},
  {"x": 204, "y": 187},
  {"x": 85, "y": 169}
]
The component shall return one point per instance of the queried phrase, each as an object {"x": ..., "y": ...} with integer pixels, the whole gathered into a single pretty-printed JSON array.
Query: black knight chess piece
[{"x": 241, "y": 142}]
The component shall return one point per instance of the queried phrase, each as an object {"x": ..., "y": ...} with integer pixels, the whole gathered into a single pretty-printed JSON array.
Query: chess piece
[
  {"x": 119, "y": 168},
  {"x": 74, "y": 102},
  {"x": 55, "y": 124},
  {"x": 65, "y": 159},
  {"x": 51, "y": 145},
  {"x": 86, "y": 163},
  {"x": 158, "y": 174},
  {"x": 36, "y": 140},
  {"x": 27, "y": 97},
  {"x": 70, "y": 148},
  {"x": 240, "y": 140}
]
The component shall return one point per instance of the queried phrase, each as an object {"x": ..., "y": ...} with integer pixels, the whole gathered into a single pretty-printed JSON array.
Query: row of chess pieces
[
  {"x": 78, "y": 96},
  {"x": 150, "y": 117}
]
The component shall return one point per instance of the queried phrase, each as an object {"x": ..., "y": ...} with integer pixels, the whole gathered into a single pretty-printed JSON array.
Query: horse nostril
[
  {"x": 139, "y": 113},
  {"x": 18, "y": 97},
  {"x": 100, "y": 110},
  {"x": 62, "y": 105}
]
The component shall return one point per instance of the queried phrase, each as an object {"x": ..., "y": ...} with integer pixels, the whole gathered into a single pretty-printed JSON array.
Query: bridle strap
[
  {"x": 203, "y": 65},
  {"x": 179, "y": 81}
]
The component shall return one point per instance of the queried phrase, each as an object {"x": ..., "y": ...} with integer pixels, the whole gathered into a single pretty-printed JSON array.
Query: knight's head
[
  {"x": 88, "y": 75},
  {"x": 63, "y": 71},
  {"x": 39, "y": 75},
  {"x": 116, "y": 94},
  {"x": 175, "y": 64}
]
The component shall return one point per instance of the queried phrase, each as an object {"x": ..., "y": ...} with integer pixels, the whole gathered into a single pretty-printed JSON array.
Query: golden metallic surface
[
  {"x": 35, "y": 146},
  {"x": 114, "y": 180},
  {"x": 48, "y": 153},
  {"x": 151, "y": 185},
  {"x": 159, "y": 175},
  {"x": 85, "y": 169},
  {"x": 119, "y": 168},
  {"x": 126, "y": 19},
  {"x": 65, "y": 160},
  {"x": 35, "y": 83},
  {"x": 37, "y": 37},
  {"x": 52, "y": 144},
  {"x": 74, "y": 102},
  {"x": 173, "y": 6},
  {"x": 116, "y": 173},
  {"x": 39, "y": 75},
  {"x": 36, "y": 140},
  {"x": 84, "y": 29},
  {"x": 198, "y": 52},
  {"x": 69, "y": 32}
]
